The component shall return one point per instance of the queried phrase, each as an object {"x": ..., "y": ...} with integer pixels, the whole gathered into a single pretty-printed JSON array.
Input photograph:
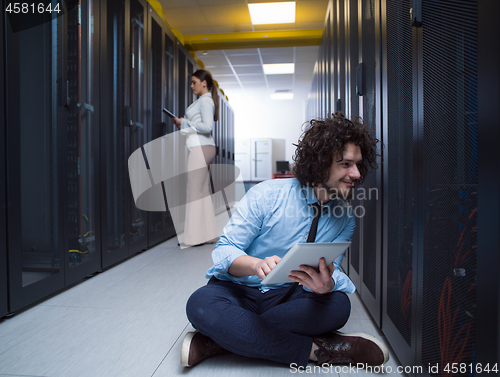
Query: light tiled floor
[{"x": 130, "y": 321}]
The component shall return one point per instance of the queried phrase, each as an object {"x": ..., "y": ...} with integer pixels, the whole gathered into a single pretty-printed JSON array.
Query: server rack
[
  {"x": 78, "y": 94},
  {"x": 81, "y": 220},
  {"x": 124, "y": 125},
  {"x": 399, "y": 302},
  {"x": 160, "y": 47},
  {"x": 3, "y": 204},
  {"x": 114, "y": 130},
  {"x": 433, "y": 106},
  {"x": 371, "y": 230},
  {"x": 488, "y": 236},
  {"x": 34, "y": 141}
]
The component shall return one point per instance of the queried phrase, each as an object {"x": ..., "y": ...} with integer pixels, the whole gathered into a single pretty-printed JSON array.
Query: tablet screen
[{"x": 304, "y": 253}]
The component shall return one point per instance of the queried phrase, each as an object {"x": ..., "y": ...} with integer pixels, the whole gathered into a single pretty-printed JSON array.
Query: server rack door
[
  {"x": 3, "y": 222},
  {"x": 123, "y": 126},
  {"x": 329, "y": 61},
  {"x": 448, "y": 183},
  {"x": 334, "y": 74},
  {"x": 155, "y": 85},
  {"x": 34, "y": 142},
  {"x": 353, "y": 40},
  {"x": 355, "y": 263},
  {"x": 114, "y": 131},
  {"x": 322, "y": 80},
  {"x": 368, "y": 192},
  {"x": 398, "y": 306},
  {"x": 488, "y": 258},
  {"x": 182, "y": 81},
  {"x": 190, "y": 71},
  {"x": 82, "y": 249},
  {"x": 341, "y": 45},
  {"x": 169, "y": 93},
  {"x": 137, "y": 100}
]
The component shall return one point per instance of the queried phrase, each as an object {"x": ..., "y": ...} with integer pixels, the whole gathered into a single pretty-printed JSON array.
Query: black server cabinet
[
  {"x": 123, "y": 125},
  {"x": 399, "y": 301},
  {"x": 160, "y": 222},
  {"x": 80, "y": 74},
  {"x": 352, "y": 27},
  {"x": 431, "y": 127},
  {"x": 169, "y": 94},
  {"x": 447, "y": 138},
  {"x": 136, "y": 106},
  {"x": 366, "y": 250},
  {"x": 339, "y": 63},
  {"x": 488, "y": 258},
  {"x": 182, "y": 85},
  {"x": 34, "y": 140},
  {"x": 3, "y": 204},
  {"x": 329, "y": 64}
]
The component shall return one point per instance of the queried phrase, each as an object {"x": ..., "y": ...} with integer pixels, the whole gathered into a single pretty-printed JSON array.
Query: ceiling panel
[
  {"x": 179, "y": 18},
  {"x": 244, "y": 79},
  {"x": 280, "y": 81},
  {"x": 220, "y": 71},
  {"x": 212, "y": 61},
  {"x": 220, "y": 15},
  {"x": 250, "y": 85},
  {"x": 277, "y": 58},
  {"x": 245, "y": 60},
  {"x": 276, "y": 50},
  {"x": 253, "y": 69},
  {"x": 311, "y": 11}
]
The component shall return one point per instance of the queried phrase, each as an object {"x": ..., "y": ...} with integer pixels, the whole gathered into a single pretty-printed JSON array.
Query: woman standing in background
[{"x": 197, "y": 125}]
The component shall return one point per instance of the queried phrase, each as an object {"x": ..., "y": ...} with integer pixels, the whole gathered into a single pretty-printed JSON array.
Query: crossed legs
[{"x": 246, "y": 321}]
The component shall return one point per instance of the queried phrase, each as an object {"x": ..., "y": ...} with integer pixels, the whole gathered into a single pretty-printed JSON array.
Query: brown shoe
[
  {"x": 358, "y": 348},
  {"x": 197, "y": 347}
]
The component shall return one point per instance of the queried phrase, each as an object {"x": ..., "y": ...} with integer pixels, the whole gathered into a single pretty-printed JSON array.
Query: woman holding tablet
[{"x": 197, "y": 125}]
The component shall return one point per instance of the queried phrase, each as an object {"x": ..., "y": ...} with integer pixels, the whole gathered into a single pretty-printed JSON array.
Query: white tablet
[{"x": 304, "y": 253}]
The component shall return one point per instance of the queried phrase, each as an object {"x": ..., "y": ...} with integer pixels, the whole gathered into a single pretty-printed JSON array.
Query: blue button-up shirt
[{"x": 272, "y": 217}]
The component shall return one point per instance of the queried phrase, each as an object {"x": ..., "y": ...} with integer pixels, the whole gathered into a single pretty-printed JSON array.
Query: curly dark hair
[{"x": 324, "y": 139}]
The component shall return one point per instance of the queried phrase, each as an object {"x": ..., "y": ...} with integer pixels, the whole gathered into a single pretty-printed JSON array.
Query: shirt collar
[{"x": 307, "y": 193}]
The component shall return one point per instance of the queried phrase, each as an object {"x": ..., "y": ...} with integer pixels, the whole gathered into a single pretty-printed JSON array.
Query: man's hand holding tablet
[{"x": 310, "y": 264}]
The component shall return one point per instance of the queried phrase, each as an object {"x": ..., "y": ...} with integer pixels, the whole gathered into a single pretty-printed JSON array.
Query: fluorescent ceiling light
[
  {"x": 272, "y": 13},
  {"x": 279, "y": 69},
  {"x": 282, "y": 95}
]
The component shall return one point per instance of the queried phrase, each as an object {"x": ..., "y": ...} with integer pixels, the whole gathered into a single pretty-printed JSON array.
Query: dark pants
[{"x": 246, "y": 321}]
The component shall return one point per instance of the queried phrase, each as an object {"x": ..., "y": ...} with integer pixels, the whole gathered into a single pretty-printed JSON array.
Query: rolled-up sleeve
[
  {"x": 203, "y": 124},
  {"x": 243, "y": 227}
]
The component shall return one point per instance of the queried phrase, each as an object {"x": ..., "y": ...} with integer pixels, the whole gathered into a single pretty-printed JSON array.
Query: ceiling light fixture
[
  {"x": 279, "y": 69},
  {"x": 272, "y": 13}
]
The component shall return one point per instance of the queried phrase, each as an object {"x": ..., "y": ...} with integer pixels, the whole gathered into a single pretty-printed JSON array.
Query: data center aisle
[{"x": 130, "y": 321}]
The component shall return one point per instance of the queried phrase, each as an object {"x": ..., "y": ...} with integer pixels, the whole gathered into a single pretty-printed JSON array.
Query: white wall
[{"x": 257, "y": 116}]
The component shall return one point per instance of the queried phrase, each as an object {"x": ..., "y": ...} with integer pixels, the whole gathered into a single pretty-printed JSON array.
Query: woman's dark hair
[
  {"x": 205, "y": 75},
  {"x": 327, "y": 138}
]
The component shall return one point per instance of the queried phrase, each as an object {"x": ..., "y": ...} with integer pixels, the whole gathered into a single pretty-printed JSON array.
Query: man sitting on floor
[{"x": 235, "y": 313}]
